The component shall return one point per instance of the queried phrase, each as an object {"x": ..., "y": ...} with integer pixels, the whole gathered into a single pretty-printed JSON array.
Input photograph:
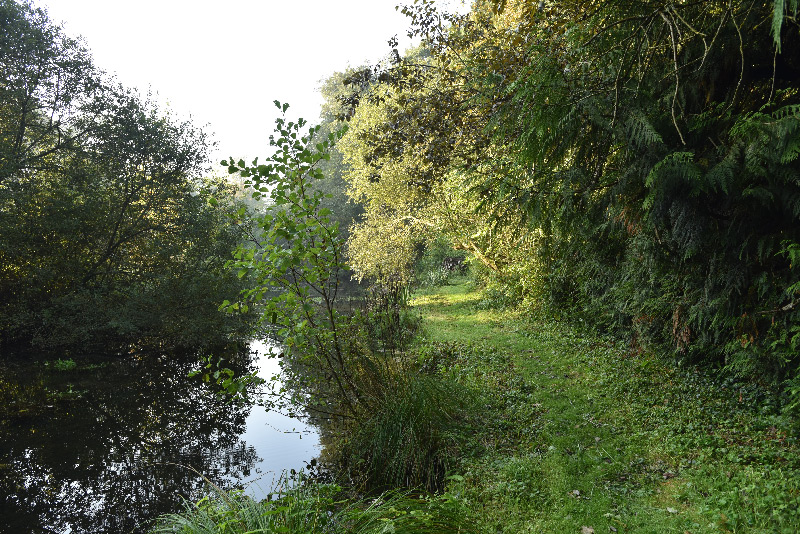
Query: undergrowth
[{"x": 313, "y": 508}]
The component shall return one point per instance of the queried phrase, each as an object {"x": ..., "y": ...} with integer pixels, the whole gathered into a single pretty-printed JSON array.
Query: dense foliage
[
  {"x": 633, "y": 164},
  {"x": 107, "y": 236}
]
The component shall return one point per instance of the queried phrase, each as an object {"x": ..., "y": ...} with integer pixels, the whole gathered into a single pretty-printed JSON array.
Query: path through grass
[{"x": 580, "y": 434}]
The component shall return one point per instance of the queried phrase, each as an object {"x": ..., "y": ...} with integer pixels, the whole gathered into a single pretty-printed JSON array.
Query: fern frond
[
  {"x": 786, "y": 112},
  {"x": 721, "y": 175},
  {"x": 789, "y": 133},
  {"x": 640, "y": 130},
  {"x": 778, "y": 7},
  {"x": 677, "y": 165},
  {"x": 761, "y": 194}
]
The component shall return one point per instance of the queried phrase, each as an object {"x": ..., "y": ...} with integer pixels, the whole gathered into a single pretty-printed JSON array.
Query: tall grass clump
[
  {"x": 313, "y": 508},
  {"x": 410, "y": 439},
  {"x": 305, "y": 509}
]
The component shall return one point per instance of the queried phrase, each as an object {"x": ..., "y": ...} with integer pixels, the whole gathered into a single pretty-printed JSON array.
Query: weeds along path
[{"x": 579, "y": 434}]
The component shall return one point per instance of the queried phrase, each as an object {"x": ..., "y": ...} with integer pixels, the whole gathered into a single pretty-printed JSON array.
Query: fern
[
  {"x": 677, "y": 165},
  {"x": 721, "y": 176},
  {"x": 788, "y": 128},
  {"x": 641, "y": 132}
]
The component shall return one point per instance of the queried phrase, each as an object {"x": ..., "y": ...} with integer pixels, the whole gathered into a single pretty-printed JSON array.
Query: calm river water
[{"x": 111, "y": 447}]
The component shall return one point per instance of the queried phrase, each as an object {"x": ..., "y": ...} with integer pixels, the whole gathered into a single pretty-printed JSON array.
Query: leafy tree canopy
[
  {"x": 107, "y": 231},
  {"x": 642, "y": 155}
]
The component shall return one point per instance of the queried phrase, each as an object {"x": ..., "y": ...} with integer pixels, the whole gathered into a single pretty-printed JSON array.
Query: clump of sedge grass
[
  {"x": 411, "y": 437},
  {"x": 312, "y": 508},
  {"x": 304, "y": 509}
]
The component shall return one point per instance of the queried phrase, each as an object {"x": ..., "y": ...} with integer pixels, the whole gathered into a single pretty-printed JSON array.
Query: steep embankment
[{"x": 581, "y": 434}]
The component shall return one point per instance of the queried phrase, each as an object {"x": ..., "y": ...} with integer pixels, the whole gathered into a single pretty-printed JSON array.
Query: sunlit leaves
[{"x": 295, "y": 265}]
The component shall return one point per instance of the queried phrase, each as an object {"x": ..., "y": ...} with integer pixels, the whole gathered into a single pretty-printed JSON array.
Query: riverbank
[
  {"x": 586, "y": 435},
  {"x": 522, "y": 424}
]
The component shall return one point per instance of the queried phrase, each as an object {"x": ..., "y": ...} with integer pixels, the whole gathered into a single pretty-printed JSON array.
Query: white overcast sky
[{"x": 223, "y": 63}]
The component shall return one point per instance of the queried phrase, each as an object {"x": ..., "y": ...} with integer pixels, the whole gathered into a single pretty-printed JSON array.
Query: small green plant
[
  {"x": 235, "y": 386},
  {"x": 61, "y": 365},
  {"x": 295, "y": 266}
]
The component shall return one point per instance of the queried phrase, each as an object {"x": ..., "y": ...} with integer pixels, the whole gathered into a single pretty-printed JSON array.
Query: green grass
[
  {"x": 312, "y": 508},
  {"x": 62, "y": 365},
  {"x": 579, "y": 431}
]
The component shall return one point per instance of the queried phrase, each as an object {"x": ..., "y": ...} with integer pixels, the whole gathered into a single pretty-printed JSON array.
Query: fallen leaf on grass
[{"x": 587, "y": 530}]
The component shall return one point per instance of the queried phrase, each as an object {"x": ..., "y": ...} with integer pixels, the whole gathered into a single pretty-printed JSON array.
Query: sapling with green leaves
[{"x": 295, "y": 265}]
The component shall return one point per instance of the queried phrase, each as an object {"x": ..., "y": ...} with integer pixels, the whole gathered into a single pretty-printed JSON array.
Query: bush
[{"x": 438, "y": 263}]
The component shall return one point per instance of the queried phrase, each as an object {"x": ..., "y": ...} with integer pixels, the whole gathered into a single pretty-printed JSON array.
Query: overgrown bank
[{"x": 569, "y": 432}]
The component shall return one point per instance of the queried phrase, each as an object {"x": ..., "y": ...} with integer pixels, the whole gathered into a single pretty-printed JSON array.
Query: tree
[
  {"x": 107, "y": 234},
  {"x": 344, "y": 210},
  {"x": 418, "y": 132},
  {"x": 47, "y": 76},
  {"x": 660, "y": 138},
  {"x": 295, "y": 267},
  {"x": 645, "y": 152}
]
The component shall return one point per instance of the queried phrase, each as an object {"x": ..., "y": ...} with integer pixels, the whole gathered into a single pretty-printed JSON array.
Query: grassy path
[{"x": 580, "y": 435}]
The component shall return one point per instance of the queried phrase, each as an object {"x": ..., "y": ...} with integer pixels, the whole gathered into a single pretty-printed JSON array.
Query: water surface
[{"x": 111, "y": 445}]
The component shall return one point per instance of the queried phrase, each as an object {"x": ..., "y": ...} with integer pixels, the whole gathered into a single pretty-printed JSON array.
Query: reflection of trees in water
[{"x": 106, "y": 461}]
